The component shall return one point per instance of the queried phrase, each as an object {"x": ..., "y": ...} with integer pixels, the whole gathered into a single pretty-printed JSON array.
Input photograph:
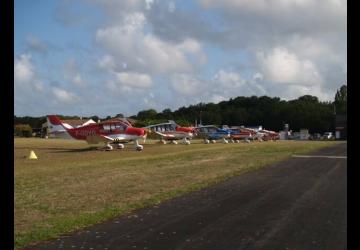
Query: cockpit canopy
[{"x": 112, "y": 126}]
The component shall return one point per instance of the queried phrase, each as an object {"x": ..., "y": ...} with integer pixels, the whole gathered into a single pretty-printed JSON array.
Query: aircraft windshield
[
  {"x": 114, "y": 127},
  {"x": 163, "y": 127}
]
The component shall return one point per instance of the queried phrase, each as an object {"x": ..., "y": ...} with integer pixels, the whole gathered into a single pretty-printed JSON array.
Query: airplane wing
[
  {"x": 94, "y": 139},
  {"x": 165, "y": 135}
]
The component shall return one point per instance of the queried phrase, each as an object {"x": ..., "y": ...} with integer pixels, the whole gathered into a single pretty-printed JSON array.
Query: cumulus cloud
[
  {"x": 186, "y": 84},
  {"x": 23, "y": 69},
  {"x": 229, "y": 79},
  {"x": 148, "y": 4},
  {"x": 143, "y": 51},
  {"x": 63, "y": 96},
  {"x": 106, "y": 62},
  {"x": 284, "y": 67},
  {"x": 134, "y": 80},
  {"x": 205, "y": 51}
]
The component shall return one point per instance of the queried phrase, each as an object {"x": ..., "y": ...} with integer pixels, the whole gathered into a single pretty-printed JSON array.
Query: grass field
[{"x": 72, "y": 185}]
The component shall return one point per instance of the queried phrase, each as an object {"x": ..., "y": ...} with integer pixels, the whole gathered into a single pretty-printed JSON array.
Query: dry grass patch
[{"x": 71, "y": 185}]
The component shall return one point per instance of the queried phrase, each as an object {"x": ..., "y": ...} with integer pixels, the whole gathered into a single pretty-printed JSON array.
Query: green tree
[
  {"x": 95, "y": 118},
  {"x": 341, "y": 100},
  {"x": 147, "y": 114},
  {"x": 23, "y": 130}
]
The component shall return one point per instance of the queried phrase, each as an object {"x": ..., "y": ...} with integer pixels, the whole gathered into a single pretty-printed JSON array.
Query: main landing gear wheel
[
  {"x": 138, "y": 147},
  {"x": 108, "y": 147},
  {"x": 120, "y": 146},
  {"x": 186, "y": 141}
]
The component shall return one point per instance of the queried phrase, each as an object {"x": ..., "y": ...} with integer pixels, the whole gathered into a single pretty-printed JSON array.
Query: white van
[{"x": 328, "y": 135}]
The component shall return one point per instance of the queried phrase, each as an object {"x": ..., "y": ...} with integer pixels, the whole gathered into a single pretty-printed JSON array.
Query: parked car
[
  {"x": 317, "y": 136},
  {"x": 328, "y": 135}
]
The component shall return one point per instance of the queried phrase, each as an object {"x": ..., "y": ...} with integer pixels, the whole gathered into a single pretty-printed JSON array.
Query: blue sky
[{"x": 97, "y": 57}]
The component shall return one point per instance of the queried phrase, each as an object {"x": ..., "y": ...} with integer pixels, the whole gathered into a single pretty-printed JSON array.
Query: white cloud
[
  {"x": 258, "y": 76},
  {"x": 143, "y": 51},
  {"x": 134, "y": 80},
  {"x": 23, "y": 69},
  {"x": 217, "y": 98},
  {"x": 228, "y": 79},
  {"x": 148, "y": 4},
  {"x": 274, "y": 7},
  {"x": 281, "y": 66},
  {"x": 293, "y": 92},
  {"x": 63, "y": 96},
  {"x": 186, "y": 55},
  {"x": 188, "y": 85},
  {"x": 106, "y": 62}
]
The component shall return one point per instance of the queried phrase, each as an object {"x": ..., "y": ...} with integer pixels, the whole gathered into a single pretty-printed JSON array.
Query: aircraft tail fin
[
  {"x": 56, "y": 127},
  {"x": 54, "y": 120}
]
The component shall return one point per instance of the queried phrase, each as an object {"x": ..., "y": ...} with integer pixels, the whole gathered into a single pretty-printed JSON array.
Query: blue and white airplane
[{"x": 211, "y": 133}]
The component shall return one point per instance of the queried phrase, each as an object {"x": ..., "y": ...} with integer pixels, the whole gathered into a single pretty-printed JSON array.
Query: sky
[{"x": 105, "y": 57}]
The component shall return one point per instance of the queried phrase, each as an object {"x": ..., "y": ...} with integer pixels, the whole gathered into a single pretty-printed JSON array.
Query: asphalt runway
[{"x": 300, "y": 203}]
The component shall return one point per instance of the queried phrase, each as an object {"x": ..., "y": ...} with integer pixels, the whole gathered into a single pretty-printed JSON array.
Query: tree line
[{"x": 270, "y": 112}]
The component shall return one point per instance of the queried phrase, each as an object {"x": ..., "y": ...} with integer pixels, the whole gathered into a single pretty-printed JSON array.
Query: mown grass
[{"x": 72, "y": 185}]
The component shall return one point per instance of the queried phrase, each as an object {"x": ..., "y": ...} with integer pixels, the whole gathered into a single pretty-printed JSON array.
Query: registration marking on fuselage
[{"x": 321, "y": 156}]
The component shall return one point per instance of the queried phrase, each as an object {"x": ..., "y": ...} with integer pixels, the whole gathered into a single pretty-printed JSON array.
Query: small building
[
  {"x": 304, "y": 134},
  {"x": 284, "y": 135},
  {"x": 341, "y": 127}
]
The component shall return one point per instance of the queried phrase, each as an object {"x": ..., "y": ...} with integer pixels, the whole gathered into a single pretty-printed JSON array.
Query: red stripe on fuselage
[{"x": 184, "y": 129}]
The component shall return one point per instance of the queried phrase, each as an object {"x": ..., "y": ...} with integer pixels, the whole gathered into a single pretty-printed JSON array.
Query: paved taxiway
[{"x": 300, "y": 203}]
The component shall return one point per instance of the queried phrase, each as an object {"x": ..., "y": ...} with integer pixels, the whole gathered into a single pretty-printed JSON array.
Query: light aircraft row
[{"x": 118, "y": 132}]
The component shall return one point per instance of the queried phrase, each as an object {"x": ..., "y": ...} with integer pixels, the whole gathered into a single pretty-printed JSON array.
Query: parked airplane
[
  {"x": 270, "y": 135},
  {"x": 211, "y": 133},
  {"x": 238, "y": 134},
  {"x": 107, "y": 132},
  {"x": 255, "y": 135},
  {"x": 171, "y": 131}
]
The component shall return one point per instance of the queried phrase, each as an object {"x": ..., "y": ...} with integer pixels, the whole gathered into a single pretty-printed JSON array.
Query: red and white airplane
[
  {"x": 238, "y": 134},
  {"x": 262, "y": 135},
  {"x": 171, "y": 131},
  {"x": 270, "y": 135},
  {"x": 107, "y": 132}
]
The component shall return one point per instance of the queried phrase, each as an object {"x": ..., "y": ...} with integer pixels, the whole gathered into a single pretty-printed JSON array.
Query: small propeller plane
[
  {"x": 107, "y": 132},
  {"x": 211, "y": 133},
  {"x": 238, "y": 134},
  {"x": 270, "y": 135},
  {"x": 171, "y": 131}
]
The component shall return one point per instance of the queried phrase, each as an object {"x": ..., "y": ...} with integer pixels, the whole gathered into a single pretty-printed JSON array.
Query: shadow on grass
[{"x": 74, "y": 150}]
